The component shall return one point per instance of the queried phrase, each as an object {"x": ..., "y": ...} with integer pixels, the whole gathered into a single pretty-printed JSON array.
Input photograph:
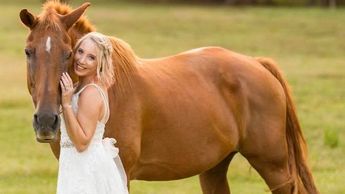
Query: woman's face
[{"x": 85, "y": 59}]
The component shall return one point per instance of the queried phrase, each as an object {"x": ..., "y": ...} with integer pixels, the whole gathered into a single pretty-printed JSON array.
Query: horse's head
[{"x": 49, "y": 53}]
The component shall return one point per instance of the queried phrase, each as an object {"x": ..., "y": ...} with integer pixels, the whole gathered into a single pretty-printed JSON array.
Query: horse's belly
[{"x": 175, "y": 151}]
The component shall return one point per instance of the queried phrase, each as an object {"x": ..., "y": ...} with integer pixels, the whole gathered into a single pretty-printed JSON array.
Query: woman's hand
[{"x": 67, "y": 89}]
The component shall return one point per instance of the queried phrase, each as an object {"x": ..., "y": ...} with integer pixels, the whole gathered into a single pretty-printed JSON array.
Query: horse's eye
[
  {"x": 27, "y": 52},
  {"x": 68, "y": 55}
]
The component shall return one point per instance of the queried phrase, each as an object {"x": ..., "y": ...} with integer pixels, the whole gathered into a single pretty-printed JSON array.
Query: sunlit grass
[{"x": 308, "y": 44}]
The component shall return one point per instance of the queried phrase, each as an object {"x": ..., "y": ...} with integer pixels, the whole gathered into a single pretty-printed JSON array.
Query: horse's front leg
[
  {"x": 55, "y": 145},
  {"x": 130, "y": 153}
]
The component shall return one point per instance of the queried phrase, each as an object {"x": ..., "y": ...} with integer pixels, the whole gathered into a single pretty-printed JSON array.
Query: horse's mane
[
  {"x": 125, "y": 62},
  {"x": 49, "y": 18}
]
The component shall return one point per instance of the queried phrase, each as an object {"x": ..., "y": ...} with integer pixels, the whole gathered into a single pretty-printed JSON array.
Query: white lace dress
[{"x": 98, "y": 169}]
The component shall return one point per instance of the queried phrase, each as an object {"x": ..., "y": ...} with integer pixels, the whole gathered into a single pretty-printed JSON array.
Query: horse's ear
[
  {"x": 74, "y": 16},
  {"x": 27, "y": 18}
]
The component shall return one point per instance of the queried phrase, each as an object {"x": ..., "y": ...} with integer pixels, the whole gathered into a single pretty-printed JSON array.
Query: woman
[{"x": 86, "y": 162}]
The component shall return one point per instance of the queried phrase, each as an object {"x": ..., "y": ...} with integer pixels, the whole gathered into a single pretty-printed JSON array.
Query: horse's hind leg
[
  {"x": 214, "y": 180},
  {"x": 268, "y": 154},
  {"x": 275, "y": 173}
]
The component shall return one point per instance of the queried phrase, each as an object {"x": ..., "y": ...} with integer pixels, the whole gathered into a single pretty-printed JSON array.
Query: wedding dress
[{"x": 98, "y": 169}]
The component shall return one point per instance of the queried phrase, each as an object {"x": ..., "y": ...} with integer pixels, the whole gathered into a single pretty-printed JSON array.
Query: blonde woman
[{"x": 86, "y": 163}]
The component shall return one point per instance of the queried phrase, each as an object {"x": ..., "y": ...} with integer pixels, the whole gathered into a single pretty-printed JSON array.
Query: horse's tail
[{"x": 303, "y": 179}]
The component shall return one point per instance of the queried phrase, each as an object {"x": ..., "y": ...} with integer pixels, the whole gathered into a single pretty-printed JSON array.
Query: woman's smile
[{"x": 79, "y": 67}]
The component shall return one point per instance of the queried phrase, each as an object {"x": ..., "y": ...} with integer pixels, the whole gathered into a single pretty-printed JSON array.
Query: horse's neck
[
  {"x": 82, "y": 27},
  {"x": 76, "y": 34}
]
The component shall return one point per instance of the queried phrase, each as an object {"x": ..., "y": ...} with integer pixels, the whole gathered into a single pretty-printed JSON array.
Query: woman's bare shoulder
[{"x": 90, "y": 96}]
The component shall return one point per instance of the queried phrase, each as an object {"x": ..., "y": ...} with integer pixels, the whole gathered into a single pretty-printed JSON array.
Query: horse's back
[{"x": 211, "y": 69}]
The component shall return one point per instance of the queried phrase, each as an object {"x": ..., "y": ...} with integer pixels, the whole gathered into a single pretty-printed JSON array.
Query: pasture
[{"x": 308, "y": 45}]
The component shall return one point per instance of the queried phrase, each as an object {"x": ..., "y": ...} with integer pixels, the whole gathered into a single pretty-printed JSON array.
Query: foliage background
[{"x": 308, "y": 43}]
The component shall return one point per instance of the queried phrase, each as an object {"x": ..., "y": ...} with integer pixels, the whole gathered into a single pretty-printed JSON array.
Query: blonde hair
[{"x": 105, "y": 69}]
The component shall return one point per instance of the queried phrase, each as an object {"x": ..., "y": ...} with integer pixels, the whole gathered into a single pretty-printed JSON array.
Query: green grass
[
  {"x": 307, "y": 43},
  {"x": 331, "y": 138}
]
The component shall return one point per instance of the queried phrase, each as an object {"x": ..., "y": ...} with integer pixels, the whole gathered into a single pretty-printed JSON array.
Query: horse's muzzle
[{"x": 46, "y": 126}]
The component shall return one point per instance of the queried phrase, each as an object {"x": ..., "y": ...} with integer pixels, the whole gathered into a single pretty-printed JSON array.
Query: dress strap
[{"x": 105, "y": 100}]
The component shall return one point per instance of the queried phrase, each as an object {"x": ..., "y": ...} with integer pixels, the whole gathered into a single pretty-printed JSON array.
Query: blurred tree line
[
  {"x": 326, "y": 3},
  {"x": 323, "y": 3}
]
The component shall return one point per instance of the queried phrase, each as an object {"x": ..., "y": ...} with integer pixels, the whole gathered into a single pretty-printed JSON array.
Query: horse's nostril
[
  {"x": 55, "y": 118},
  {"x": 56, "y": 121},
  {"x": 36, "y": 118}
]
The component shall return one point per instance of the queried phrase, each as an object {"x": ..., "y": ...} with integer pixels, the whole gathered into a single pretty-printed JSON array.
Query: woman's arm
[{"x": 80, "y": 127}]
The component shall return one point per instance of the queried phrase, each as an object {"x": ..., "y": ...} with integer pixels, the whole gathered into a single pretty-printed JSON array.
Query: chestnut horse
[{"x": 177, "y": 116}]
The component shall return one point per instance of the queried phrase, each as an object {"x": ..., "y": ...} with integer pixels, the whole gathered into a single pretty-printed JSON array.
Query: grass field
[{"x": 308, "y": 44}]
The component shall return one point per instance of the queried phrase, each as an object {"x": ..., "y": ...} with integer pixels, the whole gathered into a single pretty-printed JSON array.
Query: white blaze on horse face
[{"x": 48, "y": 44}]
